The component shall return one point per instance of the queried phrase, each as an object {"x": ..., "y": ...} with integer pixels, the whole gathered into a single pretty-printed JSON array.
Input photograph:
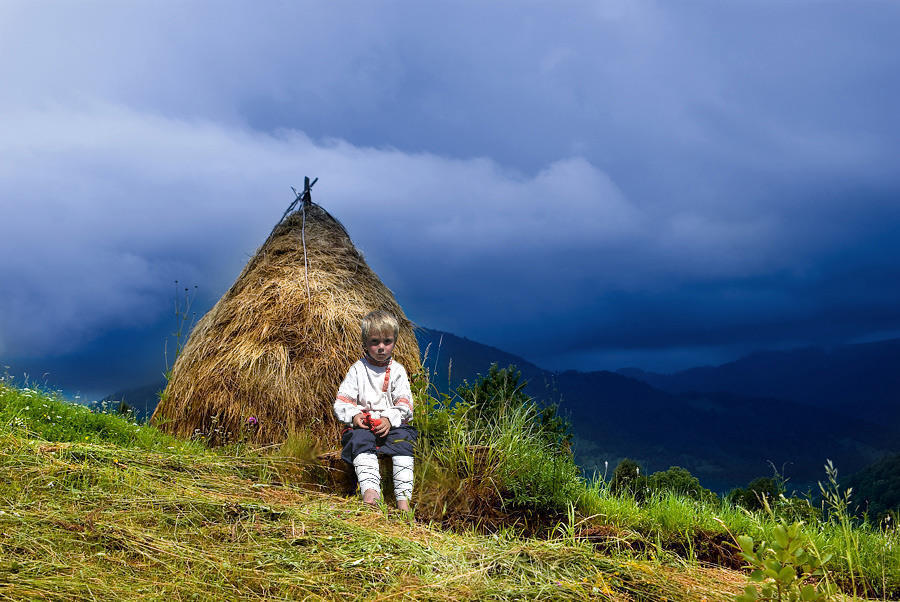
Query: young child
[{"x": 375, "y": 402}]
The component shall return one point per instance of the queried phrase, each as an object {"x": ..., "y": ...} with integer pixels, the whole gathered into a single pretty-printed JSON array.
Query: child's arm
[
  {"x": 401, "y": 399},
  {"x": 345, "y": 406}
]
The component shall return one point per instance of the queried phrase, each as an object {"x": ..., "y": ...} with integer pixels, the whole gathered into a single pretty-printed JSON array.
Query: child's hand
[
  {"x": 382, "y": 429},
  {"x": 359, "y": 420}
]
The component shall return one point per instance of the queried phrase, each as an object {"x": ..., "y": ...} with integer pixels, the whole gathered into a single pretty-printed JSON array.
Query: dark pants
[{"x": 399, "y": 441}]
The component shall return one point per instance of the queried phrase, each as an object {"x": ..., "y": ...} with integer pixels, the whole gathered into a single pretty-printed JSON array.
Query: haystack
[{"x": 267, "y": 359}]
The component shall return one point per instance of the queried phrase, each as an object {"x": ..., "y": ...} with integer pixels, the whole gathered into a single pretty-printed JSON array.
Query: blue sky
[{"x": 587, "y": 184}]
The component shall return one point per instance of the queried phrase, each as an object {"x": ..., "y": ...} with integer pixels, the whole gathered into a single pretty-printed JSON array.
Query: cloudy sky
[{"x": 590, "y": 185}]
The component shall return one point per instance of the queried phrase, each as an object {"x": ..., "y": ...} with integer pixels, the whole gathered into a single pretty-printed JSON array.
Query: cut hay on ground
[{"x": 267, "y": 350}]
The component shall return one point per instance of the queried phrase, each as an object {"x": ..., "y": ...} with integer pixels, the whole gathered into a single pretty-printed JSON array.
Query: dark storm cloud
[{"x": 606, "y": 178}]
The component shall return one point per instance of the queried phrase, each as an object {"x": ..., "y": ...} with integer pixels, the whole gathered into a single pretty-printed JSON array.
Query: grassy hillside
[{"x": 93, "y": 506}]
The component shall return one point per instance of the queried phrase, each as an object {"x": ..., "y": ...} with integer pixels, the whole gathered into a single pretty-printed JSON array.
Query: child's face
[{"x": 380, "y": 345}]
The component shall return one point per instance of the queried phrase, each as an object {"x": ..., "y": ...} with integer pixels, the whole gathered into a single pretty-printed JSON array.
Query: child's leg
[
  {"x": 368, "y": 475},
  {"x": 403, "y": 479}
]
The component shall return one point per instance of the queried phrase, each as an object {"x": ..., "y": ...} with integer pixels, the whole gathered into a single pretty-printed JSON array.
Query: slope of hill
[
  {"x": 97, "y": 506},
  {"x": 860, "y": 380},
  {"x": 876, "y": 488},
  {"x": 153, "y": 517}
]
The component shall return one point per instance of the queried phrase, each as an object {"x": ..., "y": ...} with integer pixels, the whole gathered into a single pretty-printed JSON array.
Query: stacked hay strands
[{"x": 267, "y": 359}]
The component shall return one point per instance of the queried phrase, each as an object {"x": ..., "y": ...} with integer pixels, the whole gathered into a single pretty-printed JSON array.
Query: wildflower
[{"x": 252, "y": 421}]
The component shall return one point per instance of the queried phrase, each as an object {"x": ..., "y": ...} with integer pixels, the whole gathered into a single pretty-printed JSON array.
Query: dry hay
[{"x": 268, "y": 351}]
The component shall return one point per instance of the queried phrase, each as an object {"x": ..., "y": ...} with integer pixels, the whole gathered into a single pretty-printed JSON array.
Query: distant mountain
[
  {"x": 724, "y": 437},
  {"x": 450, "y": 360},
  {"x": 859, "y": 380},
  {"x": 142, "y": 400}
]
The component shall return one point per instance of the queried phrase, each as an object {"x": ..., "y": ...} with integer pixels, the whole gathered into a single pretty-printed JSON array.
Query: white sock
[
  {"x": 403, "y": 477},
  {"x": 367, "y": 473}
]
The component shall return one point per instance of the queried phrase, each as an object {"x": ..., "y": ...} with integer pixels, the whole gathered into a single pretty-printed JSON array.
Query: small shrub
[
  {"x": 491, "y": 394},
  {"x": 502, "y": 390},
  {"x": 681, "y": 481},
  {"x": 781, "y": 568},
  {"x": 628, "y": 480},
  {"x": 757, "y": 495},
  {"x": 490, "y": 454}
]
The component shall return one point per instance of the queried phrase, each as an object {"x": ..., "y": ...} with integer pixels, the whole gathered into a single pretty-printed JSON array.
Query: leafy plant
[{"x": 781, "y": 568}]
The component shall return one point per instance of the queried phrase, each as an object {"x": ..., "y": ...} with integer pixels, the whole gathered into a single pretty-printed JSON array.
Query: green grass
[
  {"x": 98, "y": 515},
  {"x": 507, "y": 463},
  {"x": 95, "y": 505},
  {"x": 866, "y": 557},
  {"x": 47, "y": 415}
]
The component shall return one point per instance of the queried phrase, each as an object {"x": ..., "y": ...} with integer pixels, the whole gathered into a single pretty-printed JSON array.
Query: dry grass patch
[{"x": 97, "y": 521}]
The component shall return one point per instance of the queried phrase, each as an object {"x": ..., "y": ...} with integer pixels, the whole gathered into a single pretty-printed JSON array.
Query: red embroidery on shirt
[
  {"x": 387, "y": 379},
  {"x": 345, "y": 399},
  {"x": 405, "y": 401}
]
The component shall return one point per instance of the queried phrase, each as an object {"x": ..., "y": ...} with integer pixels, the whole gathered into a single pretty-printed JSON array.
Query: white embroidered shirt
[{"x": 382, "y": 390}]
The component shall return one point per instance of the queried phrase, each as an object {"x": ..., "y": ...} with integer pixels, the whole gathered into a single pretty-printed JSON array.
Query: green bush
[
  {"x": 489, "y": 394},
  {"x": 758, "y": 493},
  {"x": 492, "y": 435},
  {"x": 679, "y": 480},
  {"x": 628, "y": 480},
  {"x": 502, "y": 389}
]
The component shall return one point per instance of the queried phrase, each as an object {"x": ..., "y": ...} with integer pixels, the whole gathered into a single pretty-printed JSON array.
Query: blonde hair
[{"x": 379, "y": 321}]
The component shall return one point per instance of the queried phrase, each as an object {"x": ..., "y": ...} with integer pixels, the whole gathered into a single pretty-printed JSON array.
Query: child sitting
[{"x": 375, "y": 402}]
